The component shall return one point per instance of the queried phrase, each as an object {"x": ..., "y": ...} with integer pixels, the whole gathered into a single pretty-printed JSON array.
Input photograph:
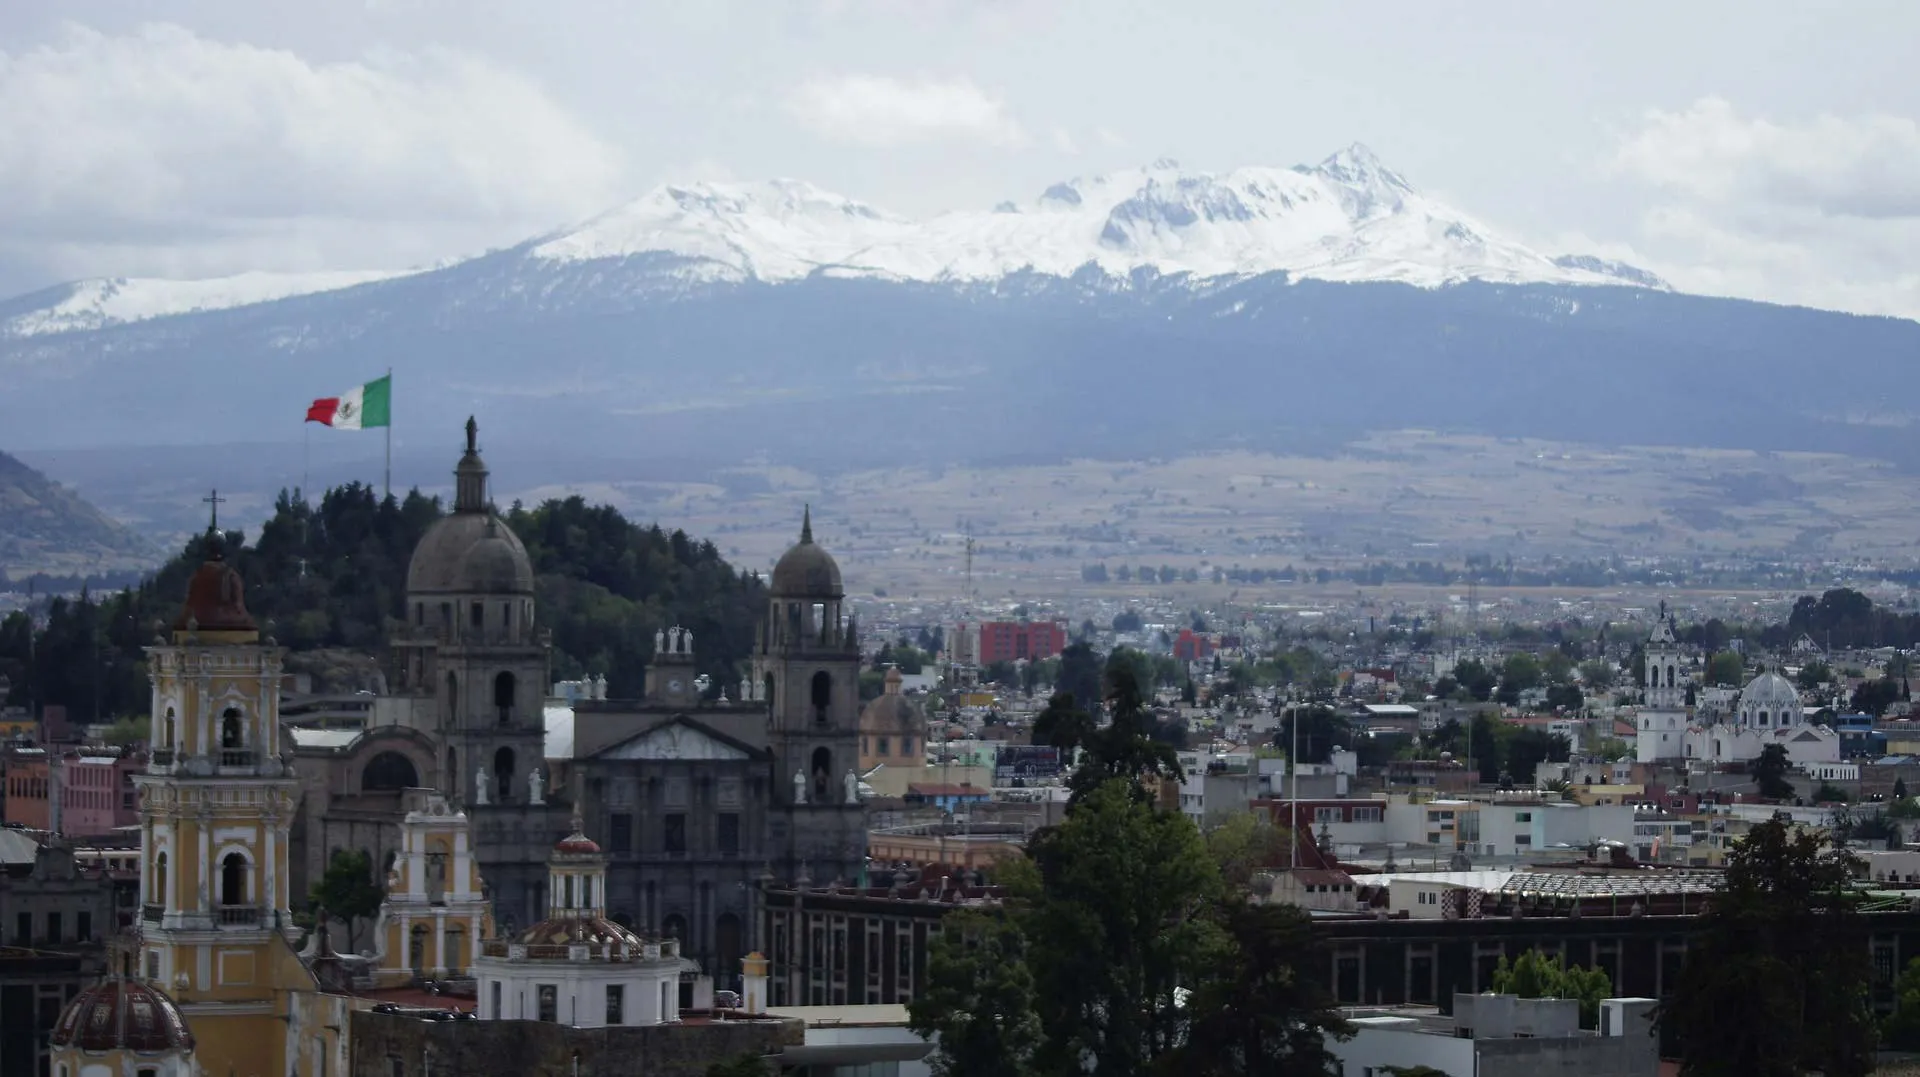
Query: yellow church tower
[{"x": 215, "y": 807}]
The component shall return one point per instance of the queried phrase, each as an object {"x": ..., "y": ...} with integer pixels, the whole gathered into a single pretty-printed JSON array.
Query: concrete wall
[
  {"x": 1582, "y": 1056},
  {"x": 541, "y": 1049}
]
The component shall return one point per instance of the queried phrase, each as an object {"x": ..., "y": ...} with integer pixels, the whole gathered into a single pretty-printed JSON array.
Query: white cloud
[
  {"x": 1824, "y": 212},
  {"x": 874, "y": 110},
  {"x": 166, "y": 151}
]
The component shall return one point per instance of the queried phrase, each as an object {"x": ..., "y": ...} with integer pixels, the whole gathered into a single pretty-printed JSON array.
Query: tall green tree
[
  {"x": 979, "y": 1001},
  {"x": 1727, "y": 669},
  {"x": 1776, "y": 977},
  {"x": 1769, "y": 771},
  {"x": 1063, "y": 725},
  {"x": 1116, "y": 903},
  {"x": 1127, "y": 747},
  {"x": 347, "y": 892},
  {"x": 1260, "y": 1016}
]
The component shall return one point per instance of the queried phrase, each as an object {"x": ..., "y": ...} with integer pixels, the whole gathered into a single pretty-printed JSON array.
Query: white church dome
[{"x": 1771, "y": 691}]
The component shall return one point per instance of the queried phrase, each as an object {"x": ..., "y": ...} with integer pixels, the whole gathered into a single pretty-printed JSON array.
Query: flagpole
[{"x": 389, "y": 431}]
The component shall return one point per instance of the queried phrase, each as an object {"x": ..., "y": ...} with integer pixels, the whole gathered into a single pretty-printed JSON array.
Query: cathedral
[
  {"x": 696, "y": 797},
  {"x": 1767, "y": 711}
]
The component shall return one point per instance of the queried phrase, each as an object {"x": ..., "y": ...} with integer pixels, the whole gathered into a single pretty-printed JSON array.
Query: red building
[
  {"x": 1010, "y": 641},
  {"x": 1192, "y": 646}
]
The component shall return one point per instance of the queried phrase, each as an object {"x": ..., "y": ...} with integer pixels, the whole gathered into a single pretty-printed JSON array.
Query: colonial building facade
[{"x": 696, "y": 795}]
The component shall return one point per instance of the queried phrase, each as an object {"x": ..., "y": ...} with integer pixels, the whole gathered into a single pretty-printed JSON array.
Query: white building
[
  {"x": 576, "y": 967},
  {"x": 1769, "y": 712}
]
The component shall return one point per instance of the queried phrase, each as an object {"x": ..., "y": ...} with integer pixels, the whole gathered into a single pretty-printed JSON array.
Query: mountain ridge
[
  {"x": 47, "y": 528},
  {"x": 1348, "y": 218}
]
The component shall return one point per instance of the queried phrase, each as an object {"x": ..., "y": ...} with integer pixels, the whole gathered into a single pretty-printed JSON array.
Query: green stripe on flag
[{"x": 376, "y": 405}]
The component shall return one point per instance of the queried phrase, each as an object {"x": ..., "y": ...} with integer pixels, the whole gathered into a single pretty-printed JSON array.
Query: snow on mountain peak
[
  {"x": 105, "y": 301},
  {"x": 1348, "y": 218}
]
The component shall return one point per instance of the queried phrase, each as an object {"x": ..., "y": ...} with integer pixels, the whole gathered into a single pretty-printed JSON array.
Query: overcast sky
[{"x": 1747, "y": 148}]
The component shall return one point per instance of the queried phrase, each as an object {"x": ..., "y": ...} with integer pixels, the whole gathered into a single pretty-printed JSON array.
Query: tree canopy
[
  {"x": 1776, "y": 978},
  {"x": 333, "y": 574}
]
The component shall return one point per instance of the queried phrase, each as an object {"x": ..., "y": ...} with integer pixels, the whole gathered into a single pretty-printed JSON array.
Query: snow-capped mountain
[
  {"x": 1151, "y": 311},
  {"x": 105, "y": 301},
  {"x": 1349, "y": 218}
]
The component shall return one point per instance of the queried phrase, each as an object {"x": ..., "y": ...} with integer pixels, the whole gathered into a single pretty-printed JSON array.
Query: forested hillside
[{"x": 333, "y": 575}]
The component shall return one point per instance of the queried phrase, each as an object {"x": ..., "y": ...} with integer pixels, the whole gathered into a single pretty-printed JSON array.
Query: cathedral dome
[
  {"x": 471, "y": 551},
  {"x": 1770, "y": 691},
  {"x": 806, "y": 570},
  {"x": 216, "y": 599},
  {"x": 470, "y": 554},
  {"x": 122, "y": 1015},
  {"x": 891, "y": 711}
]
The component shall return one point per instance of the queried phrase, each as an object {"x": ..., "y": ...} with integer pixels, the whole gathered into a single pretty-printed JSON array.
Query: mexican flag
[{"x": 356, "y": 409}]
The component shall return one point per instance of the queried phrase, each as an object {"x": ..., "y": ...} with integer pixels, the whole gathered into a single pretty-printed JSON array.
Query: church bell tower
[
  {"x": 807, "y": 672},
  {"x": 216, "y": 803}
]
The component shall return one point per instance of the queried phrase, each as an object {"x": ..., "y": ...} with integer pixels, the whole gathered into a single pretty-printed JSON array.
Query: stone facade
[
  {"x": 398, "y": 1045},
  {"x": 56, "y": 905}
]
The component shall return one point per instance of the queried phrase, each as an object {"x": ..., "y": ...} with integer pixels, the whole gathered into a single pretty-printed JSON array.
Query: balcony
[
  {"x": 238, "y": 757},
  {"x": 240, "y": 915},
  {"x": 160, "y": 757},
  {"x": 152, "y": 913}
]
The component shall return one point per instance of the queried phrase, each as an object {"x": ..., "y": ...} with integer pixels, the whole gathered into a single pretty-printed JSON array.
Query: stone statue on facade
[
  {"x": 852, "y": 783},
  {"x": 535, "y": 787},
  {"x": 799, "y": 787},
  {"x": 481, "y": 783}
]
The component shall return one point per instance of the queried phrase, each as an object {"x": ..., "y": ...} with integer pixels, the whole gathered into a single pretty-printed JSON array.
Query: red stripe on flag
[{"x": 321, "y": 410}]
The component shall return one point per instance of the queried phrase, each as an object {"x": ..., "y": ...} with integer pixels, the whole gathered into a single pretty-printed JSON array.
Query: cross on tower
[{"x": 214, "y": 500}]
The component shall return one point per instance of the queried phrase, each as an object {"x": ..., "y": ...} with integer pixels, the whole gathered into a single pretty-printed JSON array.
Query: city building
[
  {"x": 1769, "y": 712},
  {"x": 1016, "y": 641}
]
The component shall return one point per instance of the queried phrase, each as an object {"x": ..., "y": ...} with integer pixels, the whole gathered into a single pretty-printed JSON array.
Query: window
[
  {"x": 822, "y": 696},
  {"x": 1523, "y": 817},
  {"x": 233, "y": 880},
  {"x": 149, "y": 1071},
  {"x": 729, "y": 833},
  {"x": 84, "y": 932},
  {"x": 479, "y": 616},
  {"x": 503, "y": 693},
  {"x": 906, "y": 746},
  {"x": 1326, "y": 815},
  {"x": 884, "y": 747},
  {"x": 396, "y": 1066},
  {"x": 53, "y": 927},
  {"x": 1366, "y": 815},
  {"x": 1523, "y": 841},
  {"x": 23, "y": 928},
  {"x": 676, "y": 832},
  {"x": 616, "y": 1004},
  {"x": 620, "y": 832},
  {"x": 549, "y": 1002},
  {"x": 495, "y": 1011}
]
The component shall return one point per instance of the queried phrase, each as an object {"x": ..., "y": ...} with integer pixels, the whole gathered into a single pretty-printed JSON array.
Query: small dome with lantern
[{"x": 123, "y": 1016}]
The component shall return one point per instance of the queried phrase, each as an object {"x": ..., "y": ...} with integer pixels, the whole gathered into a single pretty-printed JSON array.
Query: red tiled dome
[
  {"x": 566, "y": 930},
  {"x": 122, "y": 1014},
  {"x": 576, "y": 842},
  {"x": 216, "y": 599}
]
